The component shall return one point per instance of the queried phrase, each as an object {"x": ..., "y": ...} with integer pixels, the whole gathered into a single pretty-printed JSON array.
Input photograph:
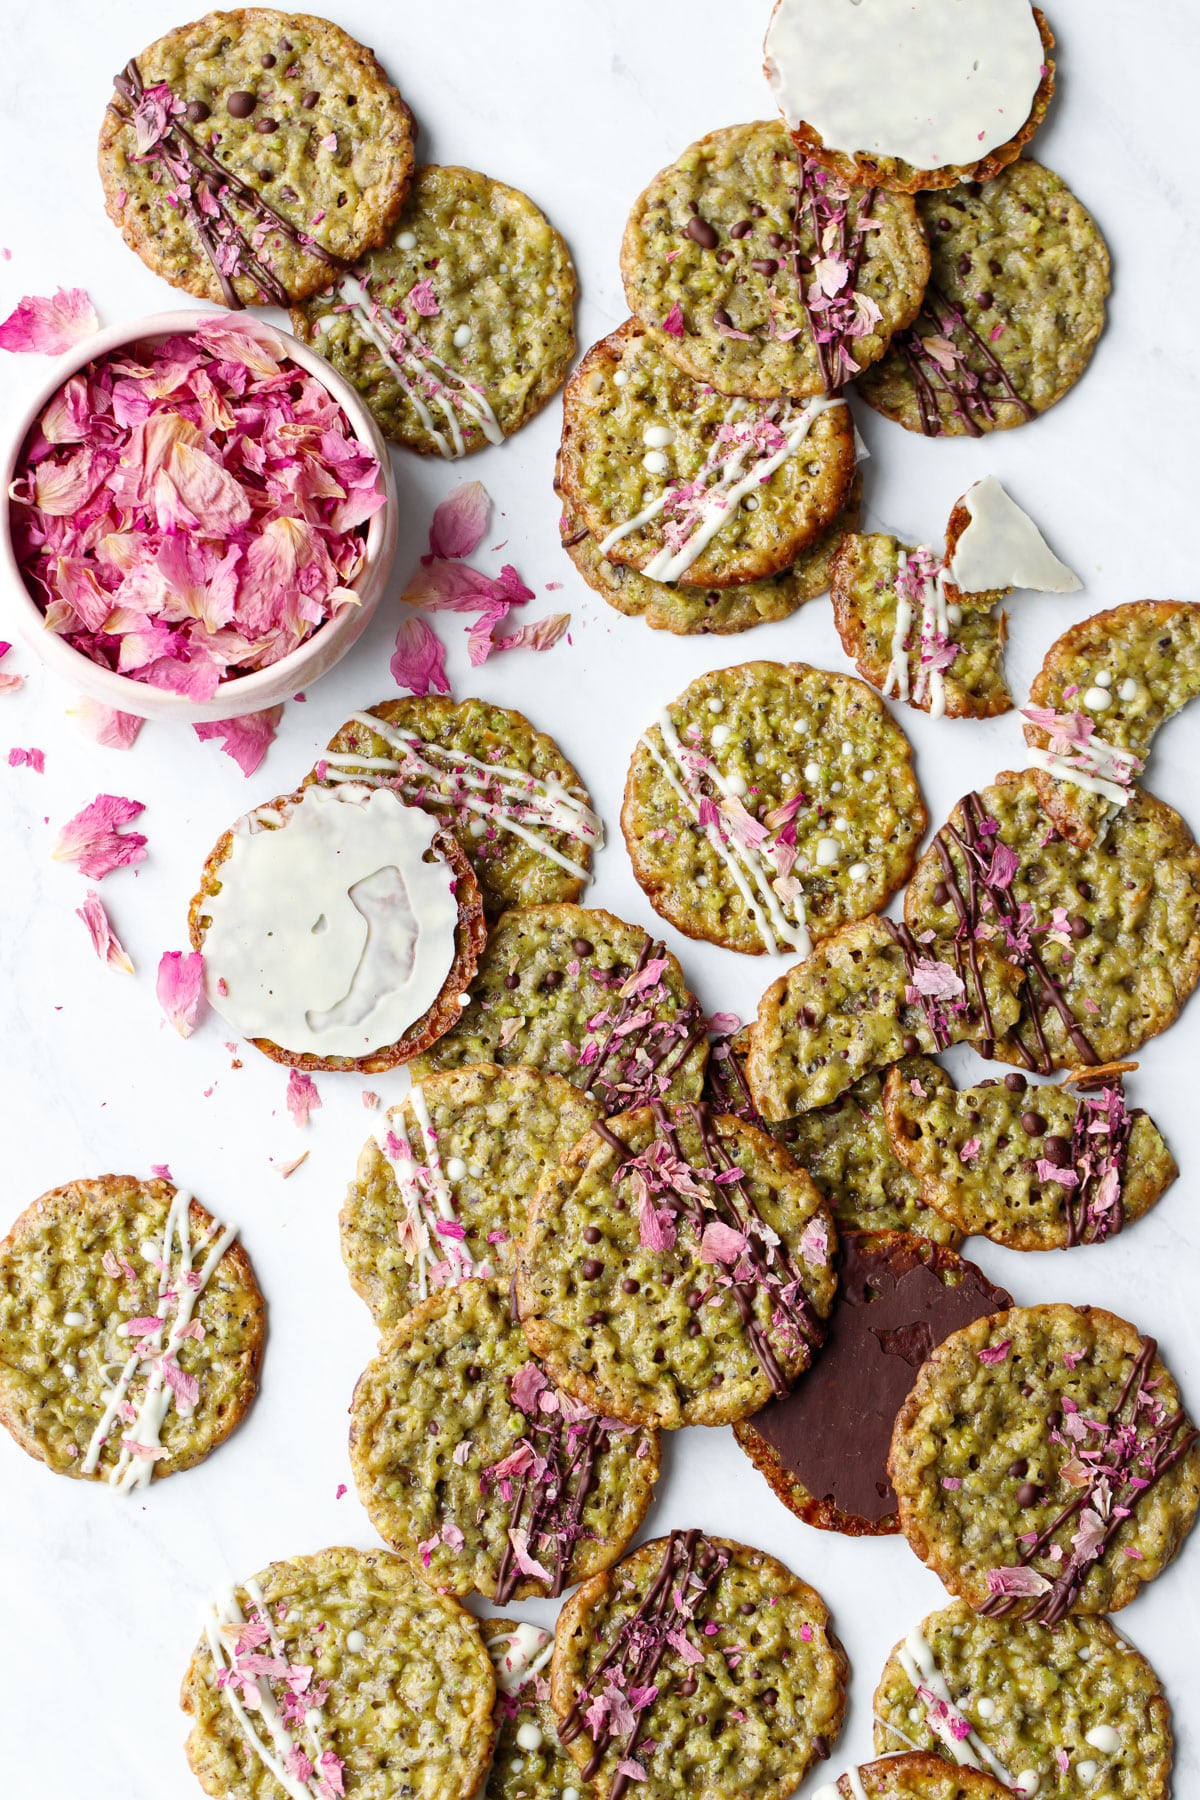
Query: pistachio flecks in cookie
[
  {"x": 505, "y": 789},
  {"x": 912, "y": 97},
  {"x": 763, "y": 273},
  {"x": 461, "y": 326},
  {"x": 1045, "y": 1465},
  {"x": 677, "y": 1268},
  {"x": 1035, "y": 1168},
  {"x": 1050, "y": 1712},
  {"x": 248, "y": 156},
  {"x": 912, "y": 1776},
  {"x": 442, "y": 1195},
  {"x": 824, "y": 1447},
  {"x": 1108, "y": 938},
  {"x": 1101, "y": 695},
  {"x": 769, "y": 804},
  {"x": 1014, "y": 309},
  {"x": 472, "y": 1463},
  {"x": 131, "y": 1331},
  {"x": 339, "y": 1673},
  {"x": 674, "y": 479},
  {"x": 529, "y": 1763},
  {"x": 697, "y": 1665},
  {"x": 577, "y": 992},
  {"x": 867, "y": 996},
  {"x": 339, "y": 927}
]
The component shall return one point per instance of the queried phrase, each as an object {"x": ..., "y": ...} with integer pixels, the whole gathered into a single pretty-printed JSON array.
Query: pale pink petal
[
  {"x": 721, "y": 1243},
  {"x": 1018, "y": 1582},
  {"x": 459, "y": 523},
  {"x": 180, "y": 988},
  {"x": 104, "y": 724},
  {"x": 105, "y": 942},
  {"x": 424, "y": 300},
  {"x": 526, "y": 1386},
  {"x": 419, "y": 662},
  {"x": 246, "y": 739},
  {"x": 93, "y": 838},
  {"x": 936, "y": 981},
  {"x": 525, "y": 1562},
  {"x": 542, "y": 636},
  {"x": 50, "y": 325},
  {"x": 443, "y": 586},
  {"x": 302, "y": 1096}
]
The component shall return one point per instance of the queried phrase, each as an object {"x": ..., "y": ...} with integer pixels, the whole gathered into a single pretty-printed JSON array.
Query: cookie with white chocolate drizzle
[
  {"x": 529, "y": 1762},
  {"x": 912, "y": 1776}
]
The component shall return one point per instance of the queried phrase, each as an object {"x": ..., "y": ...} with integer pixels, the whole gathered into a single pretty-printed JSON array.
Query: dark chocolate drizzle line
[
  {"x": 849, "y": 251},
  {"x": 1081, "y": 1226},
  {"x": 726, "y": 1087},
  {"x": 932, "y": 380},
  {"x": 556, "y": 1502},
  {"x": 621, "y": 1097},
  {"x": 1153, "y": 1456}
]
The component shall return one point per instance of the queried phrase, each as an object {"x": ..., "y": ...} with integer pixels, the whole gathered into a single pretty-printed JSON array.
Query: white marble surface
[{"x": 580, "y": 104}]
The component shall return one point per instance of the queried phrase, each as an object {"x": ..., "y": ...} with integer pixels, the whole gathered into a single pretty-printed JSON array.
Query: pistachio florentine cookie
[
  {"x": 1044, "y": 1463},
  {"x": 375, "y": 1686},
  {"x": 246, "y": 156},
  {"x": 733, "y": 255},
  {"x": 1058, "y": 1713},
  {"x": 1108, "y": 938},
  {"x": 677, "y": 1269},
  {"x": 769, "y": 805},
  {"x": 442, "y": 1194},
  {"x": 678, "y": 481},
  {"x": 1034, "y": 1168},
  {"x": 577, "y": 992},
  {"x": 866, "y": 997},
  {"x": 1095, "y": 706},
  {"x": 824, "y": 1447},
  {"x": 745, "y": 1709},
  {"x": 504, "y": 789},
  {"x": 912, "y": 1776},
  {"x": 461, "y": 326},
  {"x": 1013, "y": 312},
  {"x": 529, "y": 1762},
  {"x": 131, "y": 1331},
  {"x": 474, "y": 1467}
]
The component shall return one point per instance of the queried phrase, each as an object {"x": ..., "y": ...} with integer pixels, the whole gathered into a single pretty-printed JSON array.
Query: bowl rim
[{"x": 241, "y": 694}]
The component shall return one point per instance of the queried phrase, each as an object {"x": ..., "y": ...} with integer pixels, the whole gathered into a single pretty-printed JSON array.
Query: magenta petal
[
  {"x": 93, "y": 838},
  {"x": 49, "y": 326},
  {"x": 302, "y": 1096},
  {"x": 246, "y": 739},
  {"x": 459, "y": 523},
  {"x": 419, "y": 662}
]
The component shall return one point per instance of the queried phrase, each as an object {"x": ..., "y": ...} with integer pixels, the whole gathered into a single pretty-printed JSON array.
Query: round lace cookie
[
  {"x": 718, "y": 611},
  {"x": 769, "y": 805},
  {"x": 824, "y": 1447},
  {"x": 462, "y": 325},
  {"x": 911, "y": 97},
  {"x": 470, "y": 1463},
  {"x": 340, "y": 928},
  {"x": 1052, "y": 1713},
  {"x": 678, "y": 481},
  {"x": 912, "y": 1776},
  {"x": 442, "y": 1194},
  {"x": 248, "y": 155},
  {"x": 677, "y": 1269},
  {"x": 529, "y": 1762},
  {"x": 1097, "y": 702},
  {"x": 730, "y": 254},
  {"x": 743, "y": 1710},
  {"x": 994, "y": 1463},
  {"x": 131, "y": 1331},
  {"x": 504, "y": 789},
  {"x": 405, "y": 1685},
  {"x": 577, "y": 992},
  {"x": 1109, "y": 938},
  {"x": 1033, "y": 1168},
  {"x": 1014, "y": 309}
]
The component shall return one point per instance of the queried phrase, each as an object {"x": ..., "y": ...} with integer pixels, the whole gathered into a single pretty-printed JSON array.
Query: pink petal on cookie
[
  {"x": 673, "y": 323},
  {"x": 936, "y": 980},
  {"x": 721, "y": 1243},
  {"x": 93, "y": 838},
  {"x": 104, "y": 724},
  {"x": 419, "y": 662},
  {"x": 105, "y": 942},
  {"x": 459, "y": 523},
  {"x": 302, "y": 1096},
  {"x": 996, "y": 1353},
  {"x": 49, "y": 325},
  {"x": 246, "y": 739},
  {"x": 1019, "y": 1583},
  {"x": 526, "y": 1386},
  {"x": 180, "y": 988},
  {"x": 527, "y": 1564},
  {"x": 424, "y": 300}
]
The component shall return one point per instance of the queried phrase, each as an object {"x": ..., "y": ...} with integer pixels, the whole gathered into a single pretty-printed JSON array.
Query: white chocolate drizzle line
[
  {"x": 225, "y": 1613},
  {"x": 519, "y": 1656},
  {"x": 548, "y": 803},
  {"x": 831, "y": 1791},
  {"x": 770, "y": 919},
  {"x": 1107, "y": 763},
  {"x": 935, "y": 631},
  {"x": 179, "y": 1288},
  {"x": 726, "y": 482},
  {"x": 415, "y": 367},
  {"x": 920, "y": 1665},
  {"x": 419, "y": 1183}
]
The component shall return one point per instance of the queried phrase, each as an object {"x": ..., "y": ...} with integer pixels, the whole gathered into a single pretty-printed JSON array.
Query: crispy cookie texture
[
  {"x": 768, "y": 776},
  {"x": 577, "y": 992},
  {"x": 492, "y": 1133},
  {"x": 529, "y": 1762},
  {"x": 292, "y": 149},
  {"x": 1109, "y": 938},
  {"x": 660, "y": 1287},
  {"x": 480, "y": 1473},
  {"x": 795, "y": 461},
  {"x": 866, "y": 997},
  {"x": 1014, "y": 309},
  {"x": 74, "y": 1271},
  {"x": 1061, "y": 1705},
  {"x": 1118, "y": 677},
  {"x": 408, "y": 1710},
  {"x": 720, "y": 612},
  {"x": 743, "y": 1710},
  {"x": 917, "y": 1776},
  {"x": 723, "y": 244},
  {"x": 527, "y": 829},
  {"x": 1033, "y": 1168},
  {"x": 496, "y": 315},
  {"x": 469, "y": 941},
  {"x": 1044, "y": 1463}
]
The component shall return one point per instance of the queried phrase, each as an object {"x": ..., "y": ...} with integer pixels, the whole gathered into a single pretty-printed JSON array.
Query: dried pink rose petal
[
  {"x": 673, "y": 323},
  {"x": 93, "y": 838},
  {"x": 9, "y": 683},
  {"x": 721, "y": 1243},
  {"x": 105, "y": 942},
  {"x": 424, "y": 300},
  {"x": 458, "y": 524},
  {"x": 419, "y": 661},
  {"x": 180, "y": 988},
  {"x": 104, "y": 724},
  {"x": 28, "y": 759},
  {"x": 246, "y": 739},
  {"x": 541, "y": 636},
  {"x": 1021, "y": 1583},
  {"x": 996, "y": 1353},
  {"x": 302, "y": 1096},
  {"x": 50, "y": 326}
]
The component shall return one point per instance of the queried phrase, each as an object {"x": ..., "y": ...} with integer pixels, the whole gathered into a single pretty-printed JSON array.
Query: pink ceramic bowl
[{"x": 242, "y": 693}]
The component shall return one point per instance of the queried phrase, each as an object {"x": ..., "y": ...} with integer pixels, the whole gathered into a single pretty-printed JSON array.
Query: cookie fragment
[
  {"x": 529, "y": 1762},
  {"x": 912, "y": 1776}
]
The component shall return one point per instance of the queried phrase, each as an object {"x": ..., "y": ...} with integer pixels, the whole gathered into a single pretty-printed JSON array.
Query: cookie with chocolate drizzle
[
  {"x": 697, "y": 1665},
  {"x": 1044, "y": 1463}
]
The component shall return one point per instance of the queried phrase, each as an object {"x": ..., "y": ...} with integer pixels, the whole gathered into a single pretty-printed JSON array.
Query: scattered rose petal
[
  {"x": 419, "y": 662},
  {"x": 93, "y": 838},
  {"x": 458, "y": 524},
  {"x": 28, "y": 759},
  {"x": 49, "y": 326},
  {"x": 246, "y": 739},
  {"x": 541, "y": 636},
  {"x": 9, "y": 683},
  {"x": 302, "y": 1096},
  {"x": 180, "y": 988},
  {"x": 104, "y": 724},
  {"x": 105, "y": 942},
  {"x": 424, "y": 300}
]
